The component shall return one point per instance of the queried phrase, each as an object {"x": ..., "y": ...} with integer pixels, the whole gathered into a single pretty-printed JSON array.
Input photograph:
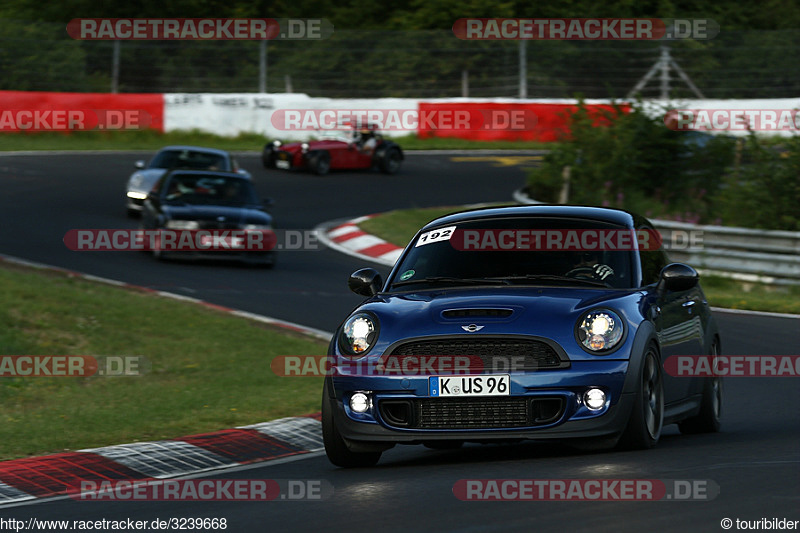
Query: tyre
[
  {"x": 647, "y": 417},
  {"x": 708, "y": 420},
  {"x": 390, "y": 162},
  {"x": 320, "y": 163},
  {"x": 268, "y": 156},
  {"x": 335, "y": 445}
]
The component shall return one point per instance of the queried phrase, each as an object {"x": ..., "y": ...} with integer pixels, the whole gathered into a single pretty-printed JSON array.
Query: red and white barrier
[
  {"x": 298, "y": 116},
  {"x": 49, "y": 111}
]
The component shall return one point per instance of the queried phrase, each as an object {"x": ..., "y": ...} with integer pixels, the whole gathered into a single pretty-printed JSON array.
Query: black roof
[{"x": 604, "y": 214}]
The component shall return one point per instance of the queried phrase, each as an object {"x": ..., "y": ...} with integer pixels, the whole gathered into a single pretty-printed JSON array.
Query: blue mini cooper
[{"x": 526, "y": 322}]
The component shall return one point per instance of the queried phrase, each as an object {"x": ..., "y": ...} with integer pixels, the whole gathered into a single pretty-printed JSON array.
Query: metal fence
[
  {"x": 759, "y": 255},
  {"x": 766, "y": 256},
  {"x": 371, "y": 64}
]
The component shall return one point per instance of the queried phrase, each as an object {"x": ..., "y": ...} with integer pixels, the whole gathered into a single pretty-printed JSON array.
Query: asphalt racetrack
[{"x": 755, "y": 460}]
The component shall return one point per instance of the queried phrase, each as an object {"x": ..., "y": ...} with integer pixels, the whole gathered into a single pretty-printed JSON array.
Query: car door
[
  {"x": 678, "y": 320},
  {"x": 680, "y": 331}
]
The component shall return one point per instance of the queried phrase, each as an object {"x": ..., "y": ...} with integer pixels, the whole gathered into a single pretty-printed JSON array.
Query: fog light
[
  {"x": 359, "y": 402},
  {"x": 594, "y": 399}
]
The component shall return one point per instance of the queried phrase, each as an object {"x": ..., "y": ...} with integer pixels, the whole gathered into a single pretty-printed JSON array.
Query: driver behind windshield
[
  {"x": 232, "y": 192},
  {"x": 367, "y": 141},
  {"x": 589, "y": 266}
]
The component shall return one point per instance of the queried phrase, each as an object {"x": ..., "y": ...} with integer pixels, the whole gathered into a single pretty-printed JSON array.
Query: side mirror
[
  {"x": 678, "y": 277},
  {"x": 366, "y": 282},
  {"x": 139, "y": 164}
]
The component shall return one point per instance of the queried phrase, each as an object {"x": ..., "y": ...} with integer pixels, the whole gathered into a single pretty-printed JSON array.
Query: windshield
[
  {"x": 519, "y": 251},
  {"x": 189, "y": 159},
  {"x": 217, "y": 190},
  {"x": 336, "y": 135}
]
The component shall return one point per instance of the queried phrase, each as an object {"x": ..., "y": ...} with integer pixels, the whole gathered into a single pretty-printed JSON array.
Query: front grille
[
  {"x": 496, "y": 354},
  {"x": 477, "y": 413},
  {"x": 471, "y": 413}
]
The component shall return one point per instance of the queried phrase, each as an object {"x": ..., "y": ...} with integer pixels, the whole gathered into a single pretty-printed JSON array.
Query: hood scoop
[{"x": 461, "y": 314}]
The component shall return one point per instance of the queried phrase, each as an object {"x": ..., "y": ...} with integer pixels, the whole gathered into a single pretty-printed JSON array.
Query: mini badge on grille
[{"x": 472, "y": 328}]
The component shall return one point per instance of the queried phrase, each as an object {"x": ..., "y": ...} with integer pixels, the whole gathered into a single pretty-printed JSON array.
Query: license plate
[
  {"x": 281, "y": 164},
  {"x": 221, "y": 242},
  {"x": 462, "y": 386}
]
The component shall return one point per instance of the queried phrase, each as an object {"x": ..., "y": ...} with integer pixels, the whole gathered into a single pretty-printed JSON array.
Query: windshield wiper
[
  {"x": 451, "y": 279},
  {"x": 552, "y": 277}
]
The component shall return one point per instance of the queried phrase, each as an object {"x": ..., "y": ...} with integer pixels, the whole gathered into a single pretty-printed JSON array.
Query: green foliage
[
  {"x": 766, "y": 192},
  {"x": 417, "y": 14},
  {"x": 49, "y": 56},
  {"x": 638, "y": 164},
  {"x": 404, "y": 48}
]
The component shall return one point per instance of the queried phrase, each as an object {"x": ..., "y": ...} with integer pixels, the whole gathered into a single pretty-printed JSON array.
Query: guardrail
[{"x": 765, "y": 256}]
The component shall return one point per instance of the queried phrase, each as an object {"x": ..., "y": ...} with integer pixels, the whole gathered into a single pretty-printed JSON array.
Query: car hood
[
  {"x": 143, "y": 180},
  {"x": 550, "y": 312},
  {"x": 213, "y": 213}
]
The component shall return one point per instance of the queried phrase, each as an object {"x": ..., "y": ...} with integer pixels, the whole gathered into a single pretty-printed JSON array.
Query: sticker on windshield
[
  {"x": 407, "y": 274},
  {"x": 442, "y": 234}
]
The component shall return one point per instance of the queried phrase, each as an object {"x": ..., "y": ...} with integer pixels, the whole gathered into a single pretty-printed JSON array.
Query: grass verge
[
  {"x": 724, "y": 292},
  {"x": 209, "y": 370},
  {"x": 399, "y": 227},
  {"x": 152, "y": 140}
]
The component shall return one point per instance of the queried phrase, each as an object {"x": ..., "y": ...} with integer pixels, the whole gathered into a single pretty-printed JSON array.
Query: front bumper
[
  {"x": 574, "y": 420},
  {"x": 284, "y": 160}
]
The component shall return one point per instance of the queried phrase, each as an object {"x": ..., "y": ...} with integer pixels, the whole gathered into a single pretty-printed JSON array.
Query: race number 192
[{"x": 442, "y": 234}]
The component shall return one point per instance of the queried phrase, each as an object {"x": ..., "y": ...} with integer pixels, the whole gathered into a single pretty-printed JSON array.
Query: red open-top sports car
[{"x": 352, "y": 148}]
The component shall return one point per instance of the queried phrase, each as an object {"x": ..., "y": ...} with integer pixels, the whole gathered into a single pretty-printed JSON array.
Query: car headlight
[
  {"x": 599, "y": 331},
  {"x": 359, "y": 334},
  {"x": 276, "y": 143},
  {"x": 254, "y": 227},
  {"x": 182, "y": 224},
  {"x": 304, "y": 147}
]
